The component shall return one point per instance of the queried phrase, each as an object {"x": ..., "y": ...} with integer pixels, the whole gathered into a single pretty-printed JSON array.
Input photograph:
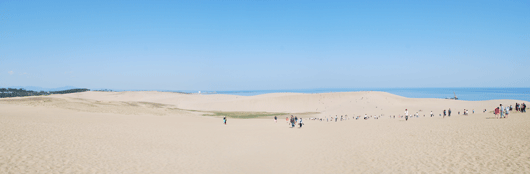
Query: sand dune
[
  {"x": 351, "y": 103},
  {"x": 159, "y": 132}
]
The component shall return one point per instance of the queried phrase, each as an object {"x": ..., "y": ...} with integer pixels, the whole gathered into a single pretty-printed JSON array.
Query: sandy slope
[
  {"x": 344, "y": 103},
  {"x": 153, "y": 132}
]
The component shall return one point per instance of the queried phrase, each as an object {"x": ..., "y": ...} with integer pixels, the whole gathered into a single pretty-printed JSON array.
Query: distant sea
[{"x": 470, "y": 94}]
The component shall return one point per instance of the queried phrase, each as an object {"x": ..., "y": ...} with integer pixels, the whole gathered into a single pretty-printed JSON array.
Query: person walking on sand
[
  {"x": 275, "y": 119},
  {"x": 406, "y": 115},
  {"x": 444, "y": 113},
  {"x": 301, "y": 123},
  {"x": 501, "y": 110},
  {"x": 449, "y": 112},
  {"x": 336, "y": 118},
  {"x": 507, "y": 111},
  {"x": 292, "y": 121},
  {"x": 432, "y": 114},
  {"x": 496, "y": 112},
  {"x": 224, "y": 119}
]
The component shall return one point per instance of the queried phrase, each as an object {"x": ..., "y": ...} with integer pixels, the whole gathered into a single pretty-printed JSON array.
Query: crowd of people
[
  {"x": 520, "y": 107},
  {"x": 503, "y": 112},
  {"x": 294, "y": 121},
  {"x": 500, "y": 112}
]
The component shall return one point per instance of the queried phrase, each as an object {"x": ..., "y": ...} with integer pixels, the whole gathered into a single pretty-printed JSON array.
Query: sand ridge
[{"x": 326, "y": 104}]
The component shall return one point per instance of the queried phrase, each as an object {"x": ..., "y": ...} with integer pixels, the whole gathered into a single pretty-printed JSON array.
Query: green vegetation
[
  {"x": 12, "y": 92},
  {"x": 153, "y": 105},
  {"x": 245, "y": 115}
]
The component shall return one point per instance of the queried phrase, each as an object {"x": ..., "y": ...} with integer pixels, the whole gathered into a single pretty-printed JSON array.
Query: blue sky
[{"x": 264, "y": 44}]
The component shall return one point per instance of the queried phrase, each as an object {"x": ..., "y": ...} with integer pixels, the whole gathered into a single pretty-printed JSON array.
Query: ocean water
[{"x": 470, "y": 94}]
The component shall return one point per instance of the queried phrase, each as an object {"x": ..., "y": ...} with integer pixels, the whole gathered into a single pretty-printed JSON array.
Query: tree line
[{"x": 13, "y": 92}]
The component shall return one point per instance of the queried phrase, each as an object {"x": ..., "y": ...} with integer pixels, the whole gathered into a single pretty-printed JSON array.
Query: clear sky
[{"x": 264, "y": 44}]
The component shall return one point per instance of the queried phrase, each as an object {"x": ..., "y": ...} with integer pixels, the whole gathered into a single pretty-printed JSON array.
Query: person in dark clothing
[{"x": 449, "y": 112}]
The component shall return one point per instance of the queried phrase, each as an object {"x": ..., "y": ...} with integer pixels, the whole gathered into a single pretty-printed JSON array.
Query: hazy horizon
[{"x": 284, "y": 89}]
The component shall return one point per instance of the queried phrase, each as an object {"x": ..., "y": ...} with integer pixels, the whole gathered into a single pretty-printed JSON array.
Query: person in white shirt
[
  {"x": 300, "y": 122},
  {"x": 507, "y": 111},
  {"x": 406, "y": 115}
]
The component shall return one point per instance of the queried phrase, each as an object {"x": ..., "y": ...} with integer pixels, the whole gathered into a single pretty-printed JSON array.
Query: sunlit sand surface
[{"x": 157, "y": 132}]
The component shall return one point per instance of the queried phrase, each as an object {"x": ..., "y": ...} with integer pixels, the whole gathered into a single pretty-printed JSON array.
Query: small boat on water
[{"x": 453, "y": 98}]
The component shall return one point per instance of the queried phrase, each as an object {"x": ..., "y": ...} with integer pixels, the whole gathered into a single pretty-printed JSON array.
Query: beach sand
[{"x": 162, "y": 132}]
